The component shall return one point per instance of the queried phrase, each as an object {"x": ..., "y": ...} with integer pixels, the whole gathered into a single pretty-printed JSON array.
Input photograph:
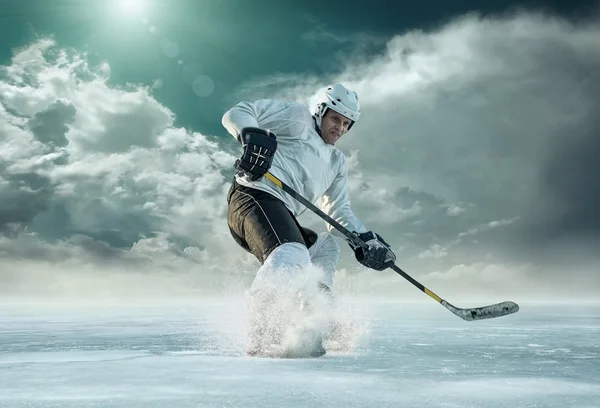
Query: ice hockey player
[{"x": 297, "y": 146}]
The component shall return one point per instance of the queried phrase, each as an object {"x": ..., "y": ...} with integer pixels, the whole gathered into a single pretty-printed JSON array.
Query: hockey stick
[{"x": 476, "y": 313}]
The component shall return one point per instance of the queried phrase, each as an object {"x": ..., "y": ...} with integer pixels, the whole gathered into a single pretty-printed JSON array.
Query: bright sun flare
[{"x": 131, "y": 6}]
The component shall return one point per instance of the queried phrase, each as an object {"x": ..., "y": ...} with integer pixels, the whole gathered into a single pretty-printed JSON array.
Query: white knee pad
[
  {"x": 325, "y": 253},
  {"x": 283, "y": 265}
]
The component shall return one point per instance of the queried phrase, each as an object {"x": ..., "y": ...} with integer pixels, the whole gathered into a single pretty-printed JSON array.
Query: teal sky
[{"x": 229, "y": 41}]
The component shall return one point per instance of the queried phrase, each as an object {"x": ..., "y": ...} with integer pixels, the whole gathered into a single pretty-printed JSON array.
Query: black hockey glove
[
  {"x": 259, "y": 149},
  {"x": 379, "y": 256}
]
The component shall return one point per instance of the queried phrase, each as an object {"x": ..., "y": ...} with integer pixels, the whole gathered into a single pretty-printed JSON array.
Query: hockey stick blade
[
  {"x": 469, "y": 314},
  {"x": 484, "y": 312}
]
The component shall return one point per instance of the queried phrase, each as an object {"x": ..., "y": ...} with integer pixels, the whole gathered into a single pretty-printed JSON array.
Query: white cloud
[
  {"x": 455, "y": 210},
  {"x": 101, "y": 179},
  {"x": 436, "y": 251},
  {"x": 488, "y": 226}
]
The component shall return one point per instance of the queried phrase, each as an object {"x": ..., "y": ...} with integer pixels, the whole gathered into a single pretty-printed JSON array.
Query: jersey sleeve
[
  {"x": 336, "y": 204},
  {"x": 251, "y": 114}
]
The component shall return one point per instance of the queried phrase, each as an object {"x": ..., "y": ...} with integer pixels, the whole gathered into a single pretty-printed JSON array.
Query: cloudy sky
[{"x": 474, "y": 156}]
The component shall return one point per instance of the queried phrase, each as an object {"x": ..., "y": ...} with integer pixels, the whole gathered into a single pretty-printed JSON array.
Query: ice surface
[{"x": 193, "y": 356}]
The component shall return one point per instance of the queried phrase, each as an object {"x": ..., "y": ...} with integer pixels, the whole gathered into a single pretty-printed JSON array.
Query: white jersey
[{"x": 303, "y": 161}]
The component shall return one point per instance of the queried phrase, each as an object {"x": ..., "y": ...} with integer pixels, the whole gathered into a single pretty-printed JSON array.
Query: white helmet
[{"x": 341, "y": 100}]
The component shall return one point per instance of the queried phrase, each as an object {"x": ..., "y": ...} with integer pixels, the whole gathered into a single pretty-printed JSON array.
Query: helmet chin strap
[
  {"x": 318, "y": 117},
  {"x": 317, "y": 124}
]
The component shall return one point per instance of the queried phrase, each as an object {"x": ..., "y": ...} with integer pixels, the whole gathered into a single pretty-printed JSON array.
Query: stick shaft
[
  {"x": 478, "y": 313},
  {"x": 345, "y": 231}
]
